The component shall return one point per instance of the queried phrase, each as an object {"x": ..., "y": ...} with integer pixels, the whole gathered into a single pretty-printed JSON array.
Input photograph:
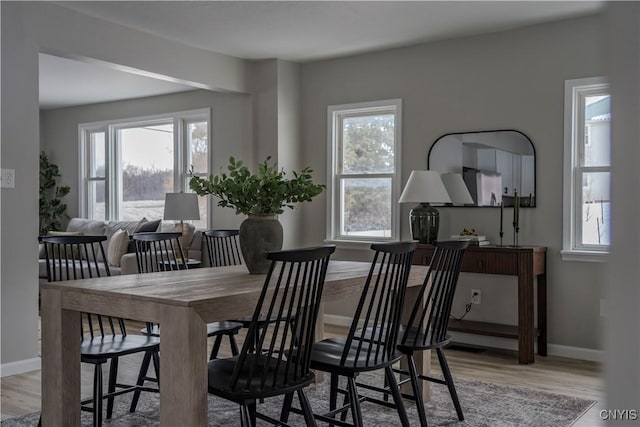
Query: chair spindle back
[
  {"x": 375, "y": 325},
  {"x": 429, "y": 321},
  {"x": 74, "y": 258},
  {"x": 222, "y": 247},
  {"x": 279, "y": 352},
  {"x": 159, "y": 252}
]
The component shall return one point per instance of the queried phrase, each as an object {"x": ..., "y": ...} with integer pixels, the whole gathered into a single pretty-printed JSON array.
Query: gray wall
[
  {"x": 27, "y": 29},
  {"x": 508, "y": 80},
  {"x": 19, "y": 151},
  {"x": 230, "y": 133}
]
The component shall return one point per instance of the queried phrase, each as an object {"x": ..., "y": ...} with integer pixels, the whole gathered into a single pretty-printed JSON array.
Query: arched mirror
[{"x": 495, "y": 165}]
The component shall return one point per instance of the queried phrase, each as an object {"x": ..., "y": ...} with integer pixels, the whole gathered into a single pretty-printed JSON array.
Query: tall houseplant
[
  {"x": 261, "y": 196},
  {"x": 52, "y": 208}
]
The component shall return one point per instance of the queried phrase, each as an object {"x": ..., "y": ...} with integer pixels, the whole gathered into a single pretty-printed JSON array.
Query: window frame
[
  {"x": 112, "y": 178},
  {"x": 573, "y": 171},
  {"x": 335, "y": 117}
]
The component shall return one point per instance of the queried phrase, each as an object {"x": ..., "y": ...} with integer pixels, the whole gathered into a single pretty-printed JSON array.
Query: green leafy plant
[
  {"x": 52, "y": 208},
  {"x": 265, "y": 192}
]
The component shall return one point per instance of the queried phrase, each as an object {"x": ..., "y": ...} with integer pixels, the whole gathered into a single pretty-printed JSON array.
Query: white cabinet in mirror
[{"x": 495, "y": 165}]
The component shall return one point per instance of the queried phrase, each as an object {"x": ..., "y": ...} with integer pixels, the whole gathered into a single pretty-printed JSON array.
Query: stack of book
[{"x": 474, "y": 239}]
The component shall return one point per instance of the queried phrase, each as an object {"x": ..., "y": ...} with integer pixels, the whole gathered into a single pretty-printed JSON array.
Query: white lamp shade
[
  {"x": 424, "y": 187},
  {"x": 182, "y": 206},
  {"x": 456, "y": 188}
]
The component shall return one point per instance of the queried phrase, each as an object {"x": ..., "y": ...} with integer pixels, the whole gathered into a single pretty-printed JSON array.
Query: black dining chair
[
  {"x": 275, "y": 358},
  {"x": 103, "y": 338},
  {"x": 427, "y": 326},
  {"x": 222, "y": 247},
  {"x": 371, "y": 342},
  {"x": 159, "y": 251},
  {"x": 222, "y": 250}
]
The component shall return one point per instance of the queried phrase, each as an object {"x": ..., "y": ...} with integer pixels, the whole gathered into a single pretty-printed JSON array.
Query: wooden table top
[{"x": 203, "y": 285}]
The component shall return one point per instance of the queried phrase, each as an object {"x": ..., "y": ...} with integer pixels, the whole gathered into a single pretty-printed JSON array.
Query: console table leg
[
  {"x": 526, "y": 302},
  {"x": 542, "y": 314}
]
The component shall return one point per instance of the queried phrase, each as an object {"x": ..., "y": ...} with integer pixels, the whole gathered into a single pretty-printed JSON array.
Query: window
[
  {"x": 587, "y": 169},
  {"x": 364, "y": 148},
  {"x": 127, "y": 166}
]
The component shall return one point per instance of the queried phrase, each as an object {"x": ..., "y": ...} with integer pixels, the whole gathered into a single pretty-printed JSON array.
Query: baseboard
[
  {"x": 497, "y": 342},
  {"x": 20, "y": 367}
]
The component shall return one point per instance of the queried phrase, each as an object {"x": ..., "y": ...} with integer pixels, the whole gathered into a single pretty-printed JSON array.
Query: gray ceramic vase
[{"x": 259, "y": 234}]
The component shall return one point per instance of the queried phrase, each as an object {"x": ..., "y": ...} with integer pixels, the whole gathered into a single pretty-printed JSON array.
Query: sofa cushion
[
  {"x": 118, "y": 246},
  {"x": 88, "y": 227},
  {"x": 42, "y": 269},
  {"x": 73, "y": 254}
]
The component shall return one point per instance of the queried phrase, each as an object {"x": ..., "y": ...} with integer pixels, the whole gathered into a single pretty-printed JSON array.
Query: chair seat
[
  {"x": 114, "y": 346},
  {"x": 225, "y": 327},
  {"x": 415, "y": 338},
  {"x": 249, "y": 381},
  {"x": 327, "y": 354}
]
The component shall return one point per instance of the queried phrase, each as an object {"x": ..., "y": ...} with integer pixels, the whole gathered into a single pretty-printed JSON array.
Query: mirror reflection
[{"x": 495, "y": 165}]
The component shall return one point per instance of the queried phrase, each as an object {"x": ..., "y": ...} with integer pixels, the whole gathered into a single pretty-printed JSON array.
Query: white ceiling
[{"x": 298, "y": 31}]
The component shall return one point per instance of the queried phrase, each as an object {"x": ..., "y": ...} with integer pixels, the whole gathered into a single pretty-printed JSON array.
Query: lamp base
[{"x": 424, "y": 221}]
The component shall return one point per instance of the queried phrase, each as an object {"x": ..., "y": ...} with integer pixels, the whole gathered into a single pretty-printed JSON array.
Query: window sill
[
  {"x": 353, "y": 244},
  {"x": 584, "y": 256}
]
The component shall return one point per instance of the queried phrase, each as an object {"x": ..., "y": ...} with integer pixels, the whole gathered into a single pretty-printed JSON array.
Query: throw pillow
[
  {"x": 147, "y": 226},
  {"x": 117, "y": 247},
  {"x": 187, "y": 234}
]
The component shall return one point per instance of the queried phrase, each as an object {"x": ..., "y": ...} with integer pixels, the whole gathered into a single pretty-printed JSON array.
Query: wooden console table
[{"x": 526, "y": 262}]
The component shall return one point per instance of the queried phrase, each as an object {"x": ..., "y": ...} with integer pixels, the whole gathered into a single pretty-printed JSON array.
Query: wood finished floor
[{"x": 20, "y": 394}]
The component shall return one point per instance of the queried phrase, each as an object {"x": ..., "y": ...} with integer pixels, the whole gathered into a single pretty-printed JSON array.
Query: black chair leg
[
  {"x": 252, "y": 412},
  {"x": 333, "y": 393},
  {"x": 286, "y": 407},
  {"x": 449, "y": 379},
  {"x": 356, "y": 412},
  {"x": 216, "y": 347},
  {"x": 144, "y": 367},
  {"x": 397, "y": 398},
  {"x": 234, "y": 345},
  {"x": 156, "y": 366},
  {"x": 245, "y": 417},
  {"x": 97, "y": 395},
  {"x": 346, "y": 401},
  {"x": 113, "y": 377},
  {"x": 413, "y": 372},
  {"x": 306, "y": 409}
]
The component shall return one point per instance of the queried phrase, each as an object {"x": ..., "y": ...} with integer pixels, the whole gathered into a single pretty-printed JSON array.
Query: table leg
[
  {"x": 422, "y": 358},
  {"x": 183, "y": 367},
  {"x": 60, "y": 362}
]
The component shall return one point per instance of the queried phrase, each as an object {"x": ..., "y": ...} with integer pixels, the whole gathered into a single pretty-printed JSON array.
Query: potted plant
[
  {"x": 52, "y": 208},
  {"x": 261, "y": 196}
]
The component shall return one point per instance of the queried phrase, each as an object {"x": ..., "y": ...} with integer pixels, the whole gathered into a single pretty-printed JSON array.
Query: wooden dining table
[{"x": 183, "y": 302}]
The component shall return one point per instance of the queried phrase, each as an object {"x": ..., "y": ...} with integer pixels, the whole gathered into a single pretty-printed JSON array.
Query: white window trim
[
  {"x": 181, "y": 168},
  {"x": 570, "y": 251},
  {"x": 333, "y": 111}
]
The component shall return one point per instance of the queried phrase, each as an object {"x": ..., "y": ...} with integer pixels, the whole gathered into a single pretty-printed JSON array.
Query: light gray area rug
[{"x": 484, "y": 404}]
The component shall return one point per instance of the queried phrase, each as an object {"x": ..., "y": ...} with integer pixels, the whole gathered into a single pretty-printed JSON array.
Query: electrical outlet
[
  {"x": 476, "y": 296},
  {"x": 7, "y": 178}
]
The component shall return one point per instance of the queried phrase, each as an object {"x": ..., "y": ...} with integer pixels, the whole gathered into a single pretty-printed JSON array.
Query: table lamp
[
  {"x": 424, "y": 187},
  {"x": 182, "y": 206},
  {"x": 457, "y": 189}
]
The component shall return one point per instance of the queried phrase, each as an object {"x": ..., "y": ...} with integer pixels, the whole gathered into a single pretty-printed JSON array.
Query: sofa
[{"x": 121, "y": 255}]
